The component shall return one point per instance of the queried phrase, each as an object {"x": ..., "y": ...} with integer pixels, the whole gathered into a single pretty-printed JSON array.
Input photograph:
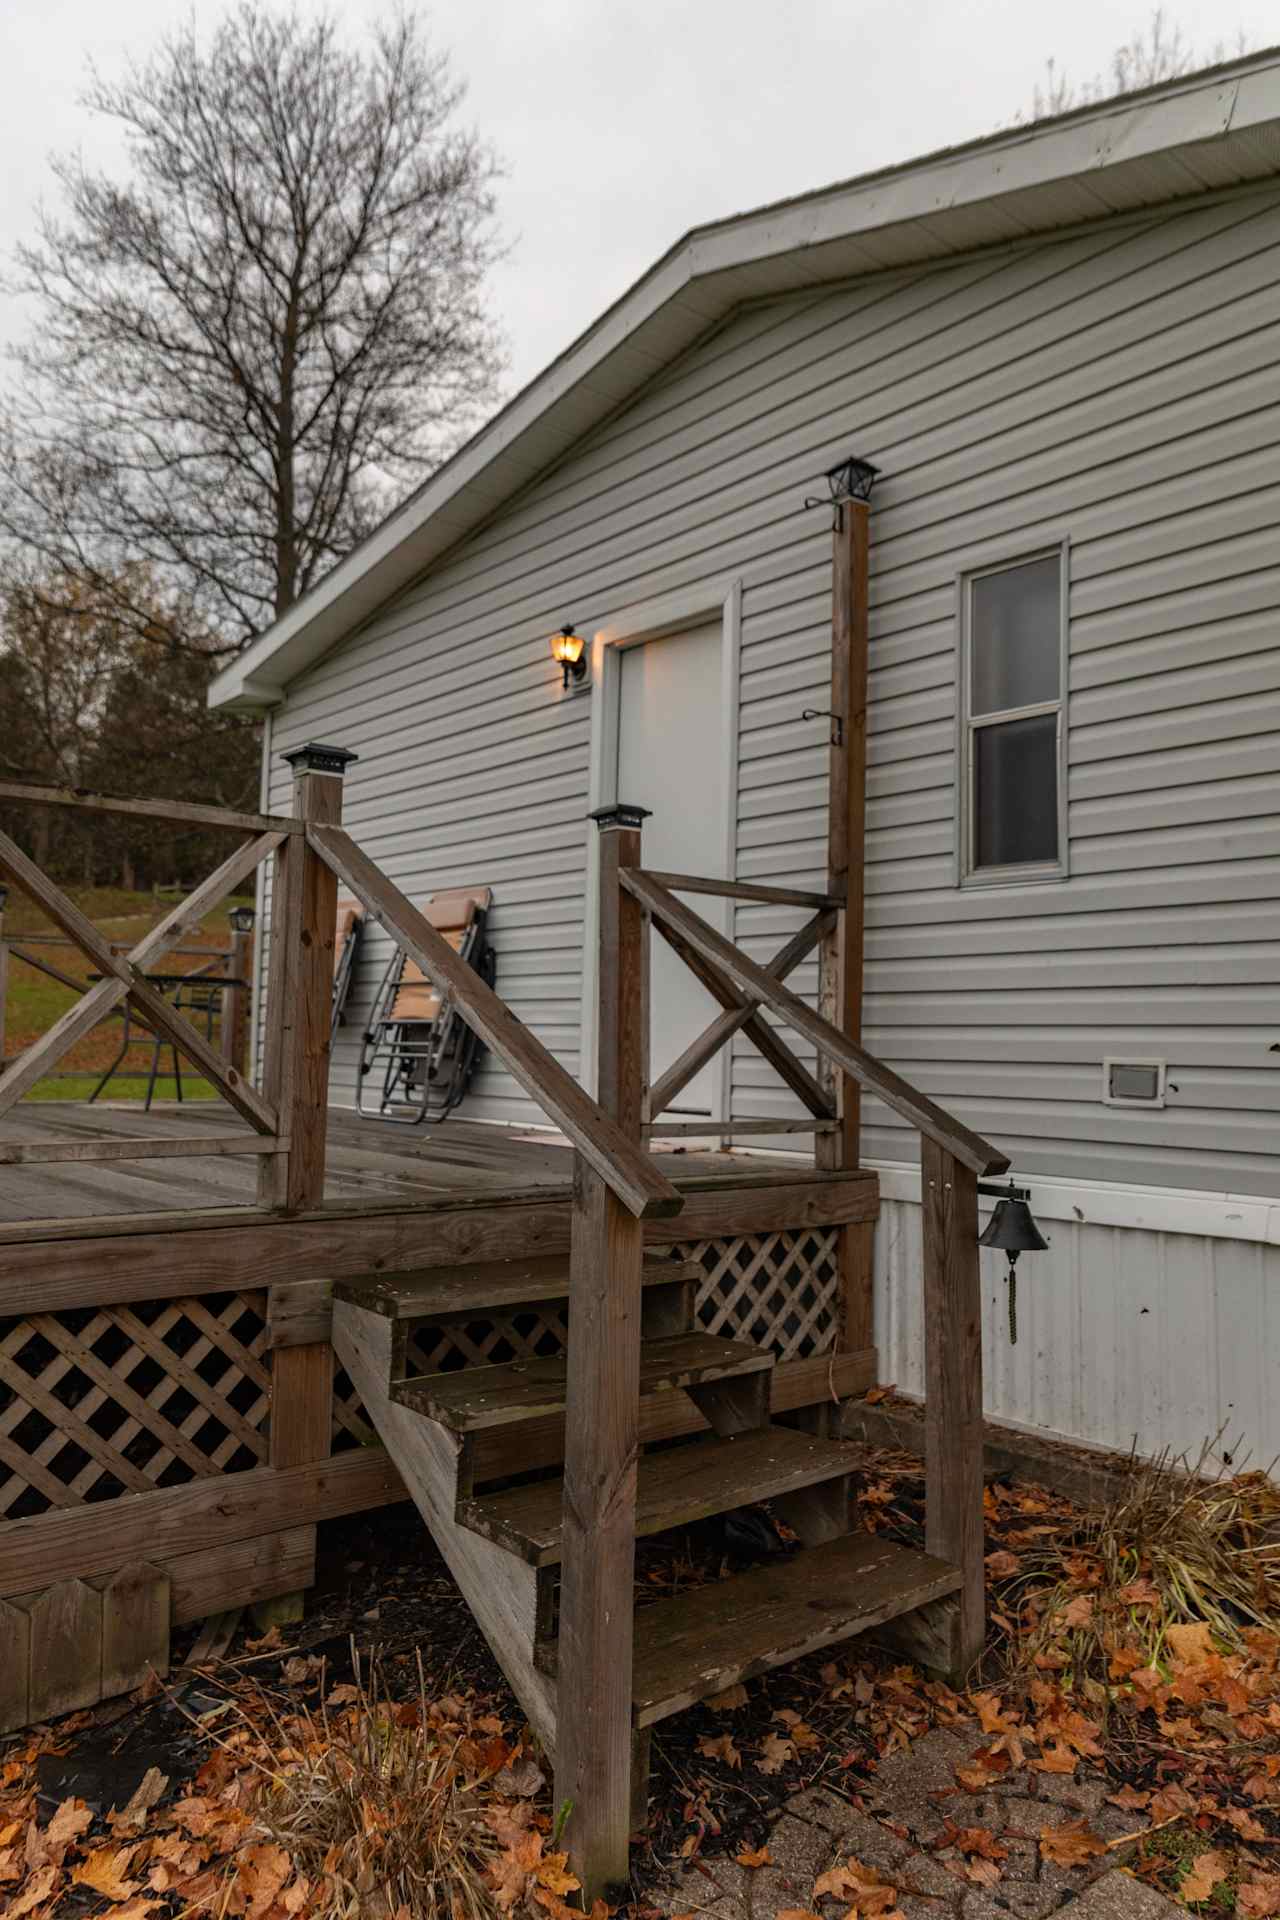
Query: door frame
[{"x": 659, "y": 619}]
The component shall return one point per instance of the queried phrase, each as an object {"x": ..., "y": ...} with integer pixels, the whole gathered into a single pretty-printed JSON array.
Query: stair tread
[
  {"x": 675, "y": 1486},
  {"x": 710, "y": 1637},
  {"x": 478, "y": 1397},
  {"x": 493, "y": 1283}
]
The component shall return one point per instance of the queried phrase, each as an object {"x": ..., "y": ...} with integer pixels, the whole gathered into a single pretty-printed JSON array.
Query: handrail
[
  {"x": 623, "y": 1165},
  {"x": 185, "y": 813},
  {"x": 743, "y": 890},
  {"x": 931, "y": 1120}
]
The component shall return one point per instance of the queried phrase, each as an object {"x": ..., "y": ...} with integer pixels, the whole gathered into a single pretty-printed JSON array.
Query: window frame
[{"x": 1019, "y": 873}]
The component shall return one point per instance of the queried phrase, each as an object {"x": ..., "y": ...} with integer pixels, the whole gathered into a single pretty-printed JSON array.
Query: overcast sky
[{"x": 623, "y": 122}]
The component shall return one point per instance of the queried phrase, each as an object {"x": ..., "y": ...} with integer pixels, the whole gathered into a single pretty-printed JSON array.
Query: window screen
[{"x": 1013, "y": 703}]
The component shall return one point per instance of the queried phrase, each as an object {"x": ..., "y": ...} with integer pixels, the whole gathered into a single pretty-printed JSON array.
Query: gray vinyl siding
[{"x": 1118, "y": 388}]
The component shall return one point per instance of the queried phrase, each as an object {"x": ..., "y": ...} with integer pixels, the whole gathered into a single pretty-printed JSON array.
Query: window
[{"x": 1012, "y": 670}]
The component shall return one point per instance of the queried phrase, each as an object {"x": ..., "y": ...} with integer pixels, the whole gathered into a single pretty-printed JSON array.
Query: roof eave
[{"x": 1001, "y": 188}]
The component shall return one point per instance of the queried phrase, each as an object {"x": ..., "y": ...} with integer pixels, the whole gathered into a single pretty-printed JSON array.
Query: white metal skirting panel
[{"x": 1124, "y": 1336}]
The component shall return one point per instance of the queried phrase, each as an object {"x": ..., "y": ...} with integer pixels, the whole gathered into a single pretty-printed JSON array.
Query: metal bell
[{"x": 1013, "y": 1230}]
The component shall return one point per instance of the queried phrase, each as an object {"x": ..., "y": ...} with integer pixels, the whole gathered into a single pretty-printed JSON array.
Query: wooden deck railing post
[
  {"x": 296, "y": 1081},
  {"x": 953, "y": 1386},
  {"x": 593, "y": 1712},
  {"x": 4, "y": 971},
  {"x": 235, "y": 1000},
  {"x": 840, "y": 962}
]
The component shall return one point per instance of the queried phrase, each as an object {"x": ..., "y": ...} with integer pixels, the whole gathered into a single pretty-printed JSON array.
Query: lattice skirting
[
  {"x": 778, "y": 1290},
  {"x": 102, "y": 1401}
]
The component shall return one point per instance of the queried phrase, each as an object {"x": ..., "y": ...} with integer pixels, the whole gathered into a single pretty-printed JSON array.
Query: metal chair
[
  {"x": 419, "y": 1056},
  {"x": 346, "y": 951}
]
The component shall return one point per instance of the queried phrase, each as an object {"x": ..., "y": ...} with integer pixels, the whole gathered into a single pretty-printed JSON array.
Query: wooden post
[
  {"x": 593, "y": 1712},
  {"x": 235, "y": 1000},
  {"x": 4, "y": 971},
  {"x": 296, "y": 1082},
  {"x": 953, "y": 1386},
  {"x": 840, "y": 961}
]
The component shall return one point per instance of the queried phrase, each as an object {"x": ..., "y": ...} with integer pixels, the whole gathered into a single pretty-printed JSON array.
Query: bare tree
[
  {"x": 1157, "y": 52},
  {"x": 247, "y": 347}
]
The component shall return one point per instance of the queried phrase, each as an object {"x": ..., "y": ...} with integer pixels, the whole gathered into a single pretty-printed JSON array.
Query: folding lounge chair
[
  {"x": 346, "y": 949},
  {"x": 419, "y": 1056}
]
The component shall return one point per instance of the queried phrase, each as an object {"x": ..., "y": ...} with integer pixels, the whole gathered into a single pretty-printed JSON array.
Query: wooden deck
[{"x": 368, "y": 1163}]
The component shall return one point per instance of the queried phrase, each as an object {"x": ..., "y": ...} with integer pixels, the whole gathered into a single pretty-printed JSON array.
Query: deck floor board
[{"x": 367, "y": 1160}]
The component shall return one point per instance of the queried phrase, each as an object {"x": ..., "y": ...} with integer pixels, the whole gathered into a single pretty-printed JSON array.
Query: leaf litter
[{"x": 1138, "y": 1644}]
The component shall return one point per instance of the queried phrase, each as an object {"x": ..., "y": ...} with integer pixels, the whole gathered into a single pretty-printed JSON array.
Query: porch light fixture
[
  {"x": 242, "y": 919},
  {"x": 850, "y": 479},
  {"x": 1012, "y": 1230},
  {"x": 568, "y": 650}
]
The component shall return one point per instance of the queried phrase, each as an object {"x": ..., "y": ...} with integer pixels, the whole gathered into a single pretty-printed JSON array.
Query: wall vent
[{"x": 1133, "y": 1083}]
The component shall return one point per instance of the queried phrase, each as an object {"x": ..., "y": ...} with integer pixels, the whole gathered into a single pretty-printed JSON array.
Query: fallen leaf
[
  {"x": 1070, "y": 1846},
  {"x": 1244, "y": 1823},
  {"x": 37, "y": 1890},
  {"x": 261, "y": 1872},
  {"x": 870, "y": 1895},
  {"x": 753, "y": 1857},
  {"x": 1078, "y": 1612},
  {"x": 1259, "y": 1897},
  {"x": 1169, "y": 1801},
  {"x": 149, "y": 1790},
  {"x": 1056, "y": 1758},
  {"x": 553, "y": 1873},
  {"x": 1191, "y": 1642},
  {"x": 137, "y": 1909},
  {"x": 721, "y": 1748},
  {"x": 344, "y": 1696},
  {"x": 1131, "y": 1798},
  {"x": 734, "y": 1696},
  {"x": 106, "y": 1870},
  {"x": 775, "y": 1752},
  {"x": 1202, "y": 1876},
  {"x": 67, "y": 1823},
  {"x": 1002, "y": 1564}
]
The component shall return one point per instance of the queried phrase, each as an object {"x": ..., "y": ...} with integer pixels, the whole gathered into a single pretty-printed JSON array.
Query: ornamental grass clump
[
  {"x": 400, "y": 1810},
  {"x": 1173, "y": 1549}
]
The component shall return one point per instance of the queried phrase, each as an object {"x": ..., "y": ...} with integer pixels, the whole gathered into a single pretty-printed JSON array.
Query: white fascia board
[
  {"x": 701, "y": 279},
  {"x": 1106, "y": 1203}
]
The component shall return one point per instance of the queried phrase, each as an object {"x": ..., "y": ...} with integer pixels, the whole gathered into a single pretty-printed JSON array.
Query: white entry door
[{"x": 672, "y": 759}]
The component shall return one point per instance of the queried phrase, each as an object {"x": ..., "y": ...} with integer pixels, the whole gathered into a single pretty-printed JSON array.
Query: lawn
[{"x": 35, "y": 1002}]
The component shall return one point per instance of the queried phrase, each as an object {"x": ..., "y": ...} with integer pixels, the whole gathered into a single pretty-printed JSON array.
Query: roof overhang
[{"x": 1214, "y": 130}]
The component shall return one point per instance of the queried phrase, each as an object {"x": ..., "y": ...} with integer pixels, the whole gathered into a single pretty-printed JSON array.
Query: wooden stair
[{"x": 503, "y": 1542}]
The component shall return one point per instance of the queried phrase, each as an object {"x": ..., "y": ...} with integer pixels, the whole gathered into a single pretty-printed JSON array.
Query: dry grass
[
  {"x": 1172, "y": 1549},
  {"x": 381, "y": 1804}
]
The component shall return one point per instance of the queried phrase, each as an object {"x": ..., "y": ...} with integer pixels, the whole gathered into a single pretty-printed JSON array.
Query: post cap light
[
  {"x": 242, "y": 919},
  {"x": 315, "y": 758},
  {"x": 622, "y": 813},
  {"x": 568, "y": 650}
]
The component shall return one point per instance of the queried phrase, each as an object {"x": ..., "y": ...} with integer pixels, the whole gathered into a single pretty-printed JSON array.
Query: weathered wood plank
[
  {"x": 826, "y": 1380},
  {"x": 160, "y": 1525},
  {"x": 15, "y": 1666},
  {"x": 674, "y": 1488},
  {"x": 32, "y": 1153},
  {"x": 953, "y": 1385},
  {"x": 501, "y": 1593},
  {"x": 500, "y": 1284},
  {"x": 135, "y": 1627},
  {"x": 66, "y": 1648},
  {"x": 170, "y": 812},
  {"x": 239, "y": 1573},
  {"x": 642, "y": 1187},
  {"x": 51, "y": 1265},
  {"x": 749, "y": 977},
  {"x": 715, "y": 1635},
  {"x": 476, "y": 1397},
  {"x": 744, "y": 890},
  {"x": 299, "y": 1313}
]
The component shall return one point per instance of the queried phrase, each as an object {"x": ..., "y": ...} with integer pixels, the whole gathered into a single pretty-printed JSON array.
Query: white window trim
[{"x": 1027, "y": 872}]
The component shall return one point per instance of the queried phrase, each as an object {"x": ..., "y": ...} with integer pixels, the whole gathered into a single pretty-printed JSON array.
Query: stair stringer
[{"x": 499, "y": 1589}]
